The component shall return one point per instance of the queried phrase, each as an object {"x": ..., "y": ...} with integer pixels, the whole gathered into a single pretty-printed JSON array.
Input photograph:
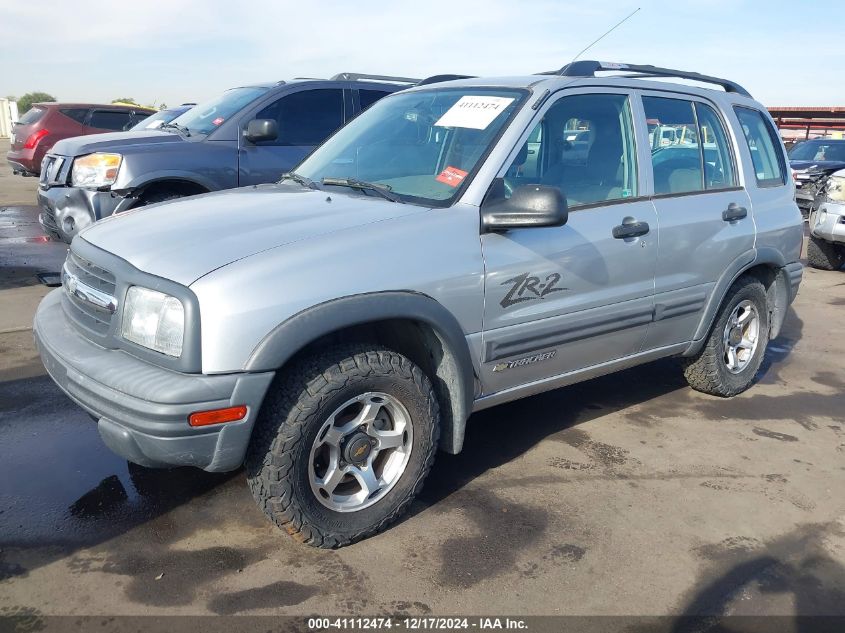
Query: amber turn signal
[{"x": 217, "y": 416}]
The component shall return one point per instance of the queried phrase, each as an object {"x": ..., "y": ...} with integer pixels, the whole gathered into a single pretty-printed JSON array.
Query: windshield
[
  {"x": 156, "y": 120},
  {"x": 818, "y": 150},
  {"x": 208, "y": 116},
  {"x": 422, "y": 145}
]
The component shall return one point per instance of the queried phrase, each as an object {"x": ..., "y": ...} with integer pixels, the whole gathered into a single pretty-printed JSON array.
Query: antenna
[{"x": 606, "y": 33}]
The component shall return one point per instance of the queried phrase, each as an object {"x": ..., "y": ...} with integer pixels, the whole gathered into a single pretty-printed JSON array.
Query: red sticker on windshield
[
  {"x": 218, "y": 121},
  {"x": 452, "y": 176}
]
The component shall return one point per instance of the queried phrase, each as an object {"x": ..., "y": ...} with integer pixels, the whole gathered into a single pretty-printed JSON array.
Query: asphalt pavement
[{"x": 628, "y": 494}]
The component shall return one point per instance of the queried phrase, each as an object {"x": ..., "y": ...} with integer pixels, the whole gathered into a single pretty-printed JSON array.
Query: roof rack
[
  {"x": 589, "y": 68},
  {"x": 438, "y": 78},
  {"x": 364, "y": 77}
]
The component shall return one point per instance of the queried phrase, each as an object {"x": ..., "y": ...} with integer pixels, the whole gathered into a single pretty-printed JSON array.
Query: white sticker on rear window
[{"x": 474, "y": 111}]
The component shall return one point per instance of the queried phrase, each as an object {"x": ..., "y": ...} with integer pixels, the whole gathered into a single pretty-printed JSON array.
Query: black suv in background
[
  {"x": 812, "y": 162},
  {"x": 247, "y": 135}
]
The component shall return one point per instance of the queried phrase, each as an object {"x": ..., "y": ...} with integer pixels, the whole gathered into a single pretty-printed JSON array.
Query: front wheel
[
  {"x": 727, "y": 364},
  {"x": 343, "y": 443}
]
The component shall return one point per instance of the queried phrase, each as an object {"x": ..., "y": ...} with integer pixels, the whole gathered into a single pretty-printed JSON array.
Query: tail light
[{"x": 33, "y": 139}]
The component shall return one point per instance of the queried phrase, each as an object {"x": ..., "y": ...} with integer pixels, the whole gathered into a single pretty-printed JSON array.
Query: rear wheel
[
  {"x": 727, "y": 364},
  {"x": 824, "y": 255},
  {"x": 342, "y": 444}
]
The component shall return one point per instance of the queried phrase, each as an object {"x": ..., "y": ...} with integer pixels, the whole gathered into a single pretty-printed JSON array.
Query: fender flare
[
  {"x": 745, "y": 262},
  {"x": 293, "y": 334}
]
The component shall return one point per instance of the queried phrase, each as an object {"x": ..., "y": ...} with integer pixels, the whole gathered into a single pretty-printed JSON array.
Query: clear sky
[{"x": 785, "y": 53}]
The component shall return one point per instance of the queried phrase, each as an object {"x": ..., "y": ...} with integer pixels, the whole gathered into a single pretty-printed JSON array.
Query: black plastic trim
[
  {"x": 290, "y": 336},
  {"x": 566, "y": 329}
]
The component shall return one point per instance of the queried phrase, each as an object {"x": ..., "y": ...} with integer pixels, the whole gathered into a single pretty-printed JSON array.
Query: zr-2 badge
[
  {"x": 528, "y": 360},
  {"x": 526, "y": 287}
]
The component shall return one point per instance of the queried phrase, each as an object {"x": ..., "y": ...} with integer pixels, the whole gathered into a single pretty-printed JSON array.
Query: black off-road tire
[
  {"x": 298, "y": 403},
  {"x": 707, "y": 371},
  {"x": 824, "y": 255}
]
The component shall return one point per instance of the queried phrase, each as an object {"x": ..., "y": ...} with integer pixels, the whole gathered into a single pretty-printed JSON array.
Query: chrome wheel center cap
[
  {"x": 358, "y": 448},
  {"x": 735, "y": 336}
]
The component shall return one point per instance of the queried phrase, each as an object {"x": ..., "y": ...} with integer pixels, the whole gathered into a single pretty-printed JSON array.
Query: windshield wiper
[
  {"x": 383, "y": 190},
  {"x": 176, "y": 126},
  {"x": 299, "y": 179}
]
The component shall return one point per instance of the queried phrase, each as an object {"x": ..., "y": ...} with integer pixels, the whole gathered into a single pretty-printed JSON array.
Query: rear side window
[
  {"x": 33, "y": 115},
  {"x": 368, "y": 97},
  {"x": 110, "y": 119},
  {"x": 307, "y": 117},
  {"x": 77, "y": 114},
  {"x": 765, "y": 149}
]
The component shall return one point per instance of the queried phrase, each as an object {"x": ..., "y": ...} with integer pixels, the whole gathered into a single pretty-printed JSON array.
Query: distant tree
[
  {"x": 12, "y": 98},
  {"x": 26, "y": 101},
  {"x": 125, "y": 100}
]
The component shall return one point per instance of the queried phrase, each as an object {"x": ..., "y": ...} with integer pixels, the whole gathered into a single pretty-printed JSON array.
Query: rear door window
[
  {"x": 689, "y": 147},
  {"x": 766, "y": 154},
  {"x": 116, "y": 120},
  {"x": 77, "y": 114},
  {"x": 715, "y": 150},
  {"x": 306, "y": 117},
  {"x": 675, "y": 152}
]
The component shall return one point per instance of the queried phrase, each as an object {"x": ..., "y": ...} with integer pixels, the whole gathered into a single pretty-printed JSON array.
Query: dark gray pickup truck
[{"x": 246, "y": 136}]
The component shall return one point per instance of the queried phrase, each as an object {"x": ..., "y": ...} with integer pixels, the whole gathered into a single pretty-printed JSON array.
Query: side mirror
[
  {"x": 262, "y": 130},
  {"x": 529, "y": 206}
]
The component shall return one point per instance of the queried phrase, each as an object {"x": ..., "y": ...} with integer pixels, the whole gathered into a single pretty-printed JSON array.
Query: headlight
[
  {"x": 95, "y": 170},
  {"x": 835, "y": 189},
  {"x": 154, "y": 320}
]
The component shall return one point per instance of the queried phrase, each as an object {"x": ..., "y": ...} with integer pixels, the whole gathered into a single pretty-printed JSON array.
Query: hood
[
  {"x": 817, "y": 165},
  {"x": 185, "y": 239},
  {"x": 120, "y": 142}
]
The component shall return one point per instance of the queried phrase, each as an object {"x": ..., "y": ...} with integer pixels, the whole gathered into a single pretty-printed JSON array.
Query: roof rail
[
  {"x": 364, "y": 77},
  {"x": 589, "y": 68},
  {"x": 438, "y": 78}
]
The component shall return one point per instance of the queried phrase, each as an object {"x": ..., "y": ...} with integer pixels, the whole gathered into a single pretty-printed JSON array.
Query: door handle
[
  {"x": 734, "y": 212},
  {"x": 630, "y": 229}
]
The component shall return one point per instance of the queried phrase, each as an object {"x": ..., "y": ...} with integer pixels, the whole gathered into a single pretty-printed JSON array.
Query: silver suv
[
  {"x": 826, "y": 248},
  {"x": 457, "y": 246}
]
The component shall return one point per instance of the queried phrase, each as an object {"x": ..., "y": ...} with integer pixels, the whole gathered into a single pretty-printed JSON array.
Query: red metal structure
[{"x": 812, "y": 121}]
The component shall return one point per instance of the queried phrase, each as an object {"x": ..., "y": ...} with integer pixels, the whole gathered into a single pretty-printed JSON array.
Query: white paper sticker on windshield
[{"x": 474, "y": 111}]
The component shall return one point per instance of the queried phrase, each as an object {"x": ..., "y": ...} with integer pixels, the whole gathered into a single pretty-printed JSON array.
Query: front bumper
[
  {"x": 805, "y": 201},
  {"x": 142, "y": 410},
  {"x": 67, "y": 210},
  {"x": 828, "y": 222}
]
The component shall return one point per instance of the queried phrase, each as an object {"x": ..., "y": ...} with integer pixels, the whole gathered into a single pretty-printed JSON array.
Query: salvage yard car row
[{"x": 458, "y": 245}]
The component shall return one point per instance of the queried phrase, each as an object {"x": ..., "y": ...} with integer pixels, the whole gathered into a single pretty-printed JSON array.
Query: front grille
[
  {"x": 84, "y": 313},
  {"x": 54, "y": 170}
]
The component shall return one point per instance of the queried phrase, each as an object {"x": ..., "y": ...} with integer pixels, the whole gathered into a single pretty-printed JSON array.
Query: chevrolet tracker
[{"x": 457, "y": 246}]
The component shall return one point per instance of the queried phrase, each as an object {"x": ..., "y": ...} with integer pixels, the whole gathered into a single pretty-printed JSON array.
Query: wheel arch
[
  {"x": 413, "y": 324},
  {"x": 779, "y": 278},
  {"x": 180, "y": 184}
]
